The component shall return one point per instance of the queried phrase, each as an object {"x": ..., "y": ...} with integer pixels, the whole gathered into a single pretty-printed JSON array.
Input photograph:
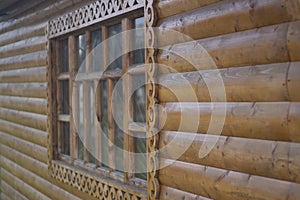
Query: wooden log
[
  {"x": 167, "y": 193},
  {"x": 24, "y": 75},
  {"x": 35, "y": 90},
  {"x": 271, "y": 121},
  {"x": 29, "y": 134},
  {"x": 22, "y": 33},
  {"x": 32, "y": 120},
  {"x": 30, "y": 60},
  {"x": 268, "y": 83},
  {"x": 166, "y": 8},
  {"x": 223, "y": 184},
  {"x": 11, "y": 192},
  {"x": 293, "y": 40},
  {"x": 4, "y": 196},
  {"x": 22, "y": 187},
  {"x": 293, "y": 82},
  {"x": 24, "y": 46},
  {"x": 226, "y": 17},
  {"x": 232, "y": 50},
  {"x": 35, "y": 181},
  {"x": 33, "y": 150},
  {"x": 35, "y": 105},
  {"x": 258, "y": 157}
]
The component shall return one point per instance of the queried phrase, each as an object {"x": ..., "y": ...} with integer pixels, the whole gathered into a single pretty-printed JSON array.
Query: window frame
[{"x": 95, "y": 184}]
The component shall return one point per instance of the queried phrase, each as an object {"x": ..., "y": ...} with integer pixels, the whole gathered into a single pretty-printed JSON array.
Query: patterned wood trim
[
  {"x": 151, "y": 100},
  {"x": 94, "y": 185},
  {"x": 91, "y": 14}
]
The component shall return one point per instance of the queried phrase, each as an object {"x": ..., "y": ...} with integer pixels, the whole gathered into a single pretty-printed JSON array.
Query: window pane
[
  {"x": 97, "y": 50},
  {"x": 64, "y": 97},
  {"x": 65, "y": 137},
  {"x": 115, "y": 47},
  {"x": 139, "y": 41},
  {"x": 81, "y": 39},
  {"x": 139, "y": 99},
  {"x": 63, "y": 56},
  {"x": 104, "y": 123},
  {"x": 141, "y": 160}
]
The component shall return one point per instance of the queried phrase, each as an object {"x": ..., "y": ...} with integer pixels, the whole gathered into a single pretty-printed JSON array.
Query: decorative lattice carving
[
  {"x": 90, "y": 14},
  {"x": 152, "y": 136},
  {"x": 95, "y": 186}
]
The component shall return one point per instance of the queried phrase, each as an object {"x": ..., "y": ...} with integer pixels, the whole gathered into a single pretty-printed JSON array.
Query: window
[{"x": 98, "y": 104}]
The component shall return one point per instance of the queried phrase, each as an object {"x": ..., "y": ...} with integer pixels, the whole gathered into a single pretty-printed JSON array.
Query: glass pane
[
  {"x": 81, "y": 41},
  {"x": 104, "y": 123},
  {"x": 64, "y": 97},
  {"x": 65, "y": 138},
  {"x": 115, "y": 47},
  {"x": 139, "y": 41},
  {"x": 63, "y": 56},
  {"x": 118, "y": 117},
  {"x": 141, "y": 160},
  {"x": 80, "y": 149},
  {"x": 92, "y": 135},
  {"x": 139, "y": 98},
  {"x": 96, "y": 50}
]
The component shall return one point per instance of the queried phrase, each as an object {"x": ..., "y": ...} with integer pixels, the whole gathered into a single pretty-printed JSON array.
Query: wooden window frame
[{"x": 66, "y": 169}]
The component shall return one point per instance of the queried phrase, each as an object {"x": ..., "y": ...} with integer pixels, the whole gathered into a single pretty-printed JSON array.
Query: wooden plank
[
  {"x": 22, "y": 187},
  {"x": 35, "y": 151},
  {"x": 23, "y": 132},
  {"x": 34, "y": 105},
  {"x": 167, "y": 193},
  {"x": 111, "y": 126},
  {"x": 35, "y": 90},
  {"x": 262, "y": 83},
  {"x": 24, "y": 75},
  {"x": 11, "y": 192},
  {"x": 29, "y": 60},
  {"x": 137, "y": 127},
  {"x": 224, "y": 184},
  {"x": 127, "y": 103},
  {"x": 226, "y": 17},
  {"x": 32, "y": 120},
  {"x": 272, "y": 159},
  {"x": 64, "y": 118},
  {"x": 270, "y": 121},
  {"x": 233, "y": 50}
]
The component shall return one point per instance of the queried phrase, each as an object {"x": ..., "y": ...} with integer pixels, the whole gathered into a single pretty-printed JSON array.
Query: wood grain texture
[
  {"x": 11, "y": 192},
  {"x": 35, "y": 90},
  {"x": 244, "y": 48},
  {"x": 24, "y": 75},
  {"x": 167, "y": 193},
  {"x": 226, "y": 17},
  {"x": 271, "y": 159},
  {"x": 223, "y": 184},
  {"x": 271, "y": 121}
]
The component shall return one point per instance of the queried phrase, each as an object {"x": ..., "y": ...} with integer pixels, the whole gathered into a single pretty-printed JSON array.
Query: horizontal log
[
  {"x": 22, "y": 33},
  {"x": 24, "y": 46},
  {"x": 22, "y": 187},
  {"x": 11, "y": 192},
  {"x": 23, "y": 132},
  {"x": 270, "y": 121},
  {"x": 29, "y": 60},
  {"x": 35, "y": 90},
  {"x": 251, "y": 156},
  {"x": 263, "y": 83},
  {"x": 167, "y": 193},
  {"x": 35, "y": 151},
  {"x": 293, "y": 36},
  {"x": 223, "y": 184},
  {"x": 233, "y": 50},
  {"x": 166, "y": 8},
  {"x": 4, "y": 196},
  {"x": 24, "y": 75},
  {"x": 32, "y": 120},
  {"x": 42, "y": 185},
  {"x": 35, "y": 105},
  {"x": 226, "y": 17}
]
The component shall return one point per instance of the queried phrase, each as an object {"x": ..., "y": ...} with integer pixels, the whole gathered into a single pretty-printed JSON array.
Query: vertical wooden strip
[
  {"x": 98, "y": 133},
  {"x": 87, "y": 99},
  {"x": 72, "y": 72},
  {"x": 111, "y": 126},
  {"x": 58, "y": 97},
  {"x": 127, "y": 104}
]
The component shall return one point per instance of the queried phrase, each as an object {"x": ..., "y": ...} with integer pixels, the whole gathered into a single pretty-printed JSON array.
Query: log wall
[
  {"x": 254, "y": 47},
  {"x": 23, "y": 135}
]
